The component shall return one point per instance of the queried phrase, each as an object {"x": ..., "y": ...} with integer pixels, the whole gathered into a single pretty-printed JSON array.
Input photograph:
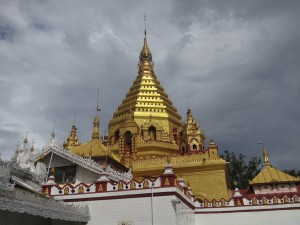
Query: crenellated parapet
[{"x": 106, "y": 185}]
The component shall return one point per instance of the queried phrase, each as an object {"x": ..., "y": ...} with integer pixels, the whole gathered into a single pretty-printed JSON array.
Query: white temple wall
[
  {"x": 276, "y": 217},
  {"x": 85, "y": 176},
  {"x": 135, "y": 211}
]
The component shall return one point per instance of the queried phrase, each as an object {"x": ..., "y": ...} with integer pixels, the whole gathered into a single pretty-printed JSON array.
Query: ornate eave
[
  {"x": 28, "y": 199},
  {"x": 22, "y": 201},
  {"x": 86, "y": 163}
]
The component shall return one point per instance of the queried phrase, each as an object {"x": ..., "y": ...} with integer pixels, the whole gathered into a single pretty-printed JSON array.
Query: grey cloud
[{"x": 235, "y": 64}]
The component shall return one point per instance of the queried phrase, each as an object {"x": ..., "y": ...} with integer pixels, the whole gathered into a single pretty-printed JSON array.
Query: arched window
[
  {"x": 152, "y": 133},
  {"x": 117, "y": 135},
  {"x": 194, "y": 147},
  {"x": 128, "y": 142}
]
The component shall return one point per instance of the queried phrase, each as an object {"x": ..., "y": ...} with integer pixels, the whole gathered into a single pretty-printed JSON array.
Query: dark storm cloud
[
  {"x": 257, "y": 86},
  {"x": 235, "y": 63}
]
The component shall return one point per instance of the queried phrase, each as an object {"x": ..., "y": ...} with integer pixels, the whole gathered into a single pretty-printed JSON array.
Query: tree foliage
[
  {"x": 293, "y": 172},
  {"x": 239, "y": 170}
]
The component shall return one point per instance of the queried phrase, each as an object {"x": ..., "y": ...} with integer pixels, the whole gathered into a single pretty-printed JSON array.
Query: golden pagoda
[{"x": 146, "y": 130}]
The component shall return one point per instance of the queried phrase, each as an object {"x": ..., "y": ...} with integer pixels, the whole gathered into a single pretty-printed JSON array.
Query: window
[
  {"x": 117, "y": 135},
  {"x": 152, "y": 133},
  {"x": 128, "y": 143},
  {"x": 65, "y": 174}
]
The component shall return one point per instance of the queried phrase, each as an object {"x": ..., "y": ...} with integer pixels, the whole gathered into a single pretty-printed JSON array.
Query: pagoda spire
[
  {"x": 96, "y": 122},
  {"x": 18, "y": 149},
  {"x": 32, "y": 148},
  {"x": 266, "y": 157},
  {"x": 265, "y": 153},
  {"x": 145, "y": 54},
  {"x": 72, "y": 140},
  {"x": 25, "y": 139}
]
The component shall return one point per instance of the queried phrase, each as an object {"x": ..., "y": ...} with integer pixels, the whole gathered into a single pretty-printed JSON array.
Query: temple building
[
  {"x": 146, "y": 129},
  {"x": 152, "y": 168}
]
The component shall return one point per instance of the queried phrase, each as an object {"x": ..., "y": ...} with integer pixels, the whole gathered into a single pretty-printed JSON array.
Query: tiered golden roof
[{"x": 146, "y": 98}]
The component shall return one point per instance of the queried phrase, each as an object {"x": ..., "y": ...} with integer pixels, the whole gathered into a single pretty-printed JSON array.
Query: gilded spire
[
  {"x": 145, "y": 54},
  {"x": 265, "y": 153},
  {"x": 72, "y": 140},
  {"x": 96, "y": 128},
  {"x": 96, "y": 123},
  {"x": 189, "y": 115},
  {"x": 266, "y": 157}
]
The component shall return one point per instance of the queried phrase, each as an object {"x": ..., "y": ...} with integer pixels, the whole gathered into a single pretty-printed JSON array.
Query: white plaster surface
[
  {"x": 134, "y": 211},
  {"x": 86, "y": 176},
  {"x": 278, "y": 217}
]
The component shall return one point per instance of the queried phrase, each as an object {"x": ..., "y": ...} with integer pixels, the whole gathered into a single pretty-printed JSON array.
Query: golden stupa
[{"x": 146, "y": 130}]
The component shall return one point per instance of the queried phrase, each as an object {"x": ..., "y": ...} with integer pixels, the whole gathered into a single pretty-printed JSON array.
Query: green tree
[
  {"x": 293, "y": 172},
  {"x": 239, "y": 170}
]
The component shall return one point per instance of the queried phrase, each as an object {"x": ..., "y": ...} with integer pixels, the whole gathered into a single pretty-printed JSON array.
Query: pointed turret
[
  {"x": 145, "y": 54},
  {"x": 32, "y": 148},
  {"x": 96, "y": 123},
  {"x": 17, "y": 152},
  {"x": 17, "y": 149},
  {"x": 192, "y": 138},
  {"x": 72, "y": 140},
  {"x": 96, "y": 128},
  {"x": 266, "y": 157},
  {"x": 25, "y": 140}
]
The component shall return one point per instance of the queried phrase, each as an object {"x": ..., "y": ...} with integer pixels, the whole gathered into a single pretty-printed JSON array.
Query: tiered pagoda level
[{"x": 146, "y": 129}]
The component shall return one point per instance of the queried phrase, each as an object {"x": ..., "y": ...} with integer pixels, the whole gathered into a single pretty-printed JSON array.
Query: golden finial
[
  {"x": 265, "y": 153},
  {"x": 72, "y": 139},
  {"x": 145, "y": 53},
  {"x": 96, "y": 127},
  {"x": 266, "y": 157}
]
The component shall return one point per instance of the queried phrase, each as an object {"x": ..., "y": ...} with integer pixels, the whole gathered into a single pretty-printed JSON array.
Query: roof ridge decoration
[{"x": 87, "y": 163}]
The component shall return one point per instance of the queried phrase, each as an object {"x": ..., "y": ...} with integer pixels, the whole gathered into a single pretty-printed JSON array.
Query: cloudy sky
[{"x": 235, "y": 63}]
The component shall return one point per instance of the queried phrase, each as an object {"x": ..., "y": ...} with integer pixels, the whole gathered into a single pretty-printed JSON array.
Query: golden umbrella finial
[
  {"x": 266, "y": 157},
  {"x": 265, "y": 153}
]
